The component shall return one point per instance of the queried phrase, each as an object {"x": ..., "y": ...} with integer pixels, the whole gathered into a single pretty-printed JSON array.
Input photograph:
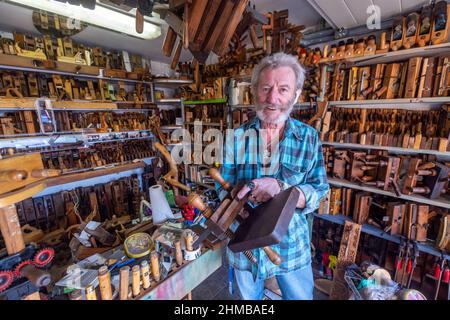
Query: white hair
[{"x": 276, "y": 60}]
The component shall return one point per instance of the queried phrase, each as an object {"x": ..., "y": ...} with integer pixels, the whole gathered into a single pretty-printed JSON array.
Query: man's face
[{"x": 276, "y": 94}]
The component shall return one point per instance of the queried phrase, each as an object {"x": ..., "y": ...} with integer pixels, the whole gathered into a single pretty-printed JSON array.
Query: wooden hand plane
[{"x": 265, "y": 225}]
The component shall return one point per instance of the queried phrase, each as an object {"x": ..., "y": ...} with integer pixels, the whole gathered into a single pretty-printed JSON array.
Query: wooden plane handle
[
  {"x": 139, "y": 21},
  {"x": 273, "y": 256},
  {"x": 13, "y": 93},
  {"x": 253, "y": 36},
  {"x": 45, "y": 173},
  {"x": 169, "y": 42},
  {"x": 176, "y": 56},
  {"x": 195, "y": 201},
  {"x": 124, "y": 282},
  {"x": 215, "y": 174},
  {"x": 13, "y": 175}
]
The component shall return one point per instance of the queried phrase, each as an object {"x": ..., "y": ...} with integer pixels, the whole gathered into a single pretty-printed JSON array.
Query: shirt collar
[{"x": 290, "y": 128}]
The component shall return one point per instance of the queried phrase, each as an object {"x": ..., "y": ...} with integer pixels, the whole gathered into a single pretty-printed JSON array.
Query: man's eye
[
  {"x": 283, "y": 90},
  {"x": 266, "y": 89}
]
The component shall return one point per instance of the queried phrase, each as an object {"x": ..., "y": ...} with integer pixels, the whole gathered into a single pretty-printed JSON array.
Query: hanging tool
[
  {"x": 416, "y": 253},
  {"x": 438, "y": 274},
  {"x": 399, "y": 259}
]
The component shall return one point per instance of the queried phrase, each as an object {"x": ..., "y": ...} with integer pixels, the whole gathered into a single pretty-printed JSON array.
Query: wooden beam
[
  {"x": 206, "y": 23},
  {"x": 224, "y": 40},
  {"x": 224, "y": 14},
  {"x": 10, "y": 229},
  {"x": 169, "y": 42},
  {"x": 197, "y": 9}
]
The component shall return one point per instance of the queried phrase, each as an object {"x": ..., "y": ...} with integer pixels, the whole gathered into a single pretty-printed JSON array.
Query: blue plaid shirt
[{"x": 299, "y": 162}]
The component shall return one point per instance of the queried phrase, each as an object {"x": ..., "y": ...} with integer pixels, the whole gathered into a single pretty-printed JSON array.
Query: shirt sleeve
[
  {"x": 228, "y": 169},
  {"x": 316, "y": 185}
]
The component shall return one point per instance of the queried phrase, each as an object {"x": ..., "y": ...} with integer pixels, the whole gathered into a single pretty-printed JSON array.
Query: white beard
[{"x": 284, "y": 114}]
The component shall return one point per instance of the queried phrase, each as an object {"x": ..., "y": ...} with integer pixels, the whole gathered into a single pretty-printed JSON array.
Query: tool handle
[
  {"x": 215, "y": 174},
  {"x": 45, "y": 173},
  {"x": 273, "y": 256},
  {"x": 13, "y": 175},
  {"x": 124, "y": 282}
]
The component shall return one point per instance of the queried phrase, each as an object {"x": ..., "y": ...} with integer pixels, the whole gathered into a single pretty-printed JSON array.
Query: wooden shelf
[
  {"x": 395, "y": 150},
  {"x": 168, "y": 101},
  {"x": 417, "y": 104},
  {"x": 398, "y": 55},
  {"x": 374, "y": 231},
  {"x": 39, "y": 139},
  {"x": 213, "y": 124},
  {"x": 172, "y": 83},
  {"x": 439, "y": 202},
  {"x": 18, "y": 63},
  {"x": 171, "y": 127},
  {"x": 11, "y": 104}
]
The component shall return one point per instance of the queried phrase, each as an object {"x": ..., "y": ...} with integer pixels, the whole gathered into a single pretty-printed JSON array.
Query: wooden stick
[
  {"x": 154, "y": 260},
  {"x": 10, "y": 228},
  {"x": 124, "y": 282},
  {"x": 178, "y": 253},
  {"x": 176, "y": 56},
  {"x": 189, "y": 239},
  {"x": 136, "y": 280},
  {"x": 145, "y": 274},
  {"x": 104, "y": 281}
]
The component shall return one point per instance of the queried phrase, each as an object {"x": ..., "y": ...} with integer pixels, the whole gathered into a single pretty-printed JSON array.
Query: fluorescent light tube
[{"x": 100, "y": 16}]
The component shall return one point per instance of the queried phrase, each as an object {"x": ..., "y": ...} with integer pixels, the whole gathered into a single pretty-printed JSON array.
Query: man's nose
[{"x": 273, "y": 96}]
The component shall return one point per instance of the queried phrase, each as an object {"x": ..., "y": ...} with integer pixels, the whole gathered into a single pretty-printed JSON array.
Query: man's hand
[{"x": 265, "y": 189}]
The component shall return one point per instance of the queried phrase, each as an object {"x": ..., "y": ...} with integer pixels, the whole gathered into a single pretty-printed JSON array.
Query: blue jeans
[{"x": 295, "y": 285}]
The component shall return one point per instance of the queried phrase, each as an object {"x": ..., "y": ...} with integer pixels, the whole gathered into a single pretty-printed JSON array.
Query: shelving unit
[
  {"x": 440, "y": 202},
  {"x": 374, "y": 231},
  {"x": 7, "y": 63},
  {"x": 71, "y": 137},
  {"x": 395, "y": 150},
  {"x": 418, "y": 104},
  {"x": 398, "y": 55}
]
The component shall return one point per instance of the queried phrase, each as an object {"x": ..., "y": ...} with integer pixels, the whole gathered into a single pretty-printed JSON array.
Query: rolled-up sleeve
[
  {"x": 228, "y": 169},
  {"x": 316, "y": 185}
]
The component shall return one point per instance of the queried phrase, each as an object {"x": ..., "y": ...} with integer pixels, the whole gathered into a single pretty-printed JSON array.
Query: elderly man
[{"x": 289, "y": 154}]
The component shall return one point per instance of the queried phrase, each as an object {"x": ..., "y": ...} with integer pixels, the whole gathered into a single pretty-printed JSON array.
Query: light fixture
[{"x": 100, "y": 16}]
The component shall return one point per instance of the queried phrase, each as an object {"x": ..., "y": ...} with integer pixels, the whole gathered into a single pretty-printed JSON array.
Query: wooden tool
[
  {"x": 412, "y": 30},
  {"x": 383, "y": 46},
  {"x": 273, "y": 256},
  {"x": 398, "y": 33},
  {"x": 178, "y": 253},
  {"x": 154, "y": 261},
  {"x": 172, "y": 176},
  {"x": 426, "y": 20},
  {"x": 189, "y": 240},
  {"x": 104, "y": 282},
  {"x": 124, "y": 282},
  {"x": 145, "y": 270},
  {"x": 441, "y": 22},
  {"x": 136, "y": 280}
]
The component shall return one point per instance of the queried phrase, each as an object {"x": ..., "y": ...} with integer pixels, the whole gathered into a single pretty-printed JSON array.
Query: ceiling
[
  {"x": 352, "y": 13},
  {"x": 338, "y": 13},
  {"x": 15, "y": 18}
]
